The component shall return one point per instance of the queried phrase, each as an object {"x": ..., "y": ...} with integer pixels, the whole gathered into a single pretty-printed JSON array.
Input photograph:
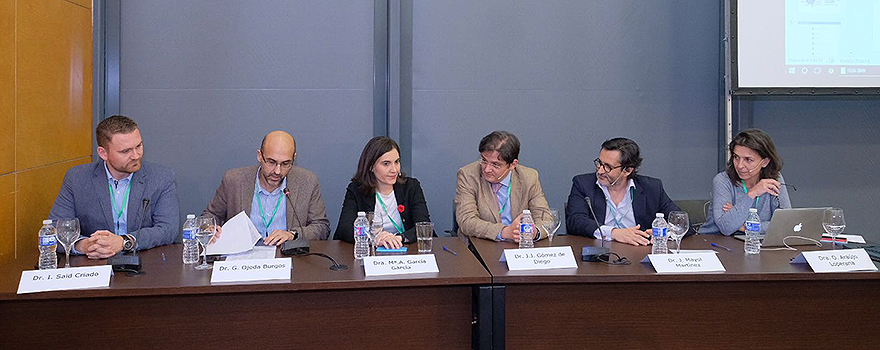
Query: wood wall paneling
[
  {"x": 35, "y": 191},
  {"x": 7, "y": 218},
  {"x": 54, "y": 82},
  {"x": 7, "y": 88},
  {"x": 84, "y": 3}
]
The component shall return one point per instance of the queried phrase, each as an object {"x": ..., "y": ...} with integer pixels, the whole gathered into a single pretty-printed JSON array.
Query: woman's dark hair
[
  {"x": 374, "y": 149},
  {"x": 761, "y": 143}
]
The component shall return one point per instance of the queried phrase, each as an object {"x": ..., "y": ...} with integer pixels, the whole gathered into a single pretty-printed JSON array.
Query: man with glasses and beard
[
  {"x": 493, "y": 191},
  {"x": 122, "y": 202},
  {"x": 624, "y": 202},
  {"x": 281, "y": 199}
]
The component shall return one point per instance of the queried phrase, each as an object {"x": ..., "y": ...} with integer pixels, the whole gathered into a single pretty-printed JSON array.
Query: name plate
[
  {"x": 399, "y": 264},
  {"x": 64, "y": 279},
  {"x": 686, "y": 263},
  {"x": 251, "y": 270},
  {"x": 539, "y": 258},
  {"x": 836, "y": 260}
]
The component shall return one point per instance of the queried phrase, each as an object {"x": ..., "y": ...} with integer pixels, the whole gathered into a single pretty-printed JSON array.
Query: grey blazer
[
  {"x": 305, "y": 209},
  {"x": 85, "y": 195}
]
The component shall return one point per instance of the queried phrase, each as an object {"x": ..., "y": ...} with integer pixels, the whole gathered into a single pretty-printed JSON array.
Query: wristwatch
[
  {"x": 127, "y": 243},
  {"x": 294, "y": 233}
]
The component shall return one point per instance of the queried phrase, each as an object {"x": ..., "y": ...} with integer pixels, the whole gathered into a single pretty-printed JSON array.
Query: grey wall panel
[
  {"x": 564, "y": 76},
  {"x": 207, "y": 79},
  {"x": 247, "y": 44},
  {"x": 202, "y": 133},
  {"x": 831, "y": 153}
]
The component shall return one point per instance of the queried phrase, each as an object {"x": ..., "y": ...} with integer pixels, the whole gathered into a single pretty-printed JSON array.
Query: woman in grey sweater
[{"x": 752, "y": 180}]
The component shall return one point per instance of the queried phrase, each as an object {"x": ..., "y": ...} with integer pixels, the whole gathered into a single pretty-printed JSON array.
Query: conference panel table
[
  {"x": 760, "y": 302},
  {"x": 175, "y": 306}
]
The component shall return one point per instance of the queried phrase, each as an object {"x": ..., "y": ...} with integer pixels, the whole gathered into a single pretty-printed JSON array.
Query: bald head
[
  {"x": 278, "y": 141},
  {"x": 276, "y": 155}
]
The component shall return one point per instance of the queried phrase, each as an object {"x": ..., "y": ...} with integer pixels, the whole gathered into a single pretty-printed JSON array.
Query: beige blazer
[
  {"x": 476, "y": 208},
  {"x": 305, "y": 210}
]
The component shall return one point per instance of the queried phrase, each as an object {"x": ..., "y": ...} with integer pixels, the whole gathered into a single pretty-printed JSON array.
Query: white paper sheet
[
  {"x": 239, "y": 235},
  {"x": 257, "y": 253}
]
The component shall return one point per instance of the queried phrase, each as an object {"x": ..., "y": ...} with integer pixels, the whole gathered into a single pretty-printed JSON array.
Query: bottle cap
[
  {"x": 660, "y": 215},
  {"x": 526, "y": 211},
  {"x": 47, "y": 222},
  {"x": 753, "y": 210},
  {"x": 361, "y": 213},
  {"x": 190, "y": 216}
]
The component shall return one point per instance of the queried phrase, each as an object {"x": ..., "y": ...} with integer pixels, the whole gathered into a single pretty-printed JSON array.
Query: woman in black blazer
[{"x": 380, "y": 187}]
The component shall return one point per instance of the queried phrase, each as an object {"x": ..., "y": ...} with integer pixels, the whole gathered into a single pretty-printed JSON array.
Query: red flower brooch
[{"x": 400, "y": 208}]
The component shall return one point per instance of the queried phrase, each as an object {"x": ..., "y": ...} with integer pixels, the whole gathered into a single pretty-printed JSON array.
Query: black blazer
[
  {"x": 409, "y": 195},
  {"x": 649, "y": 198}
]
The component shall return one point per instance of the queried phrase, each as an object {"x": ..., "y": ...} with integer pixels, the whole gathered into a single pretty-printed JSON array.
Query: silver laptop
[{"x": 802, "y": 222}]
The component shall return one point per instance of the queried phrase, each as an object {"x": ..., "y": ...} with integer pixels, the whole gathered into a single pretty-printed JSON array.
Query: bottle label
[
  {"x": 47, "y": 240},
  {"x": 189, "y": 234},
  {"x": 659, "y": 231},
  {"x": 753, "y": 226},
  {"x": 525, "y": 228},
  {"x": 360, "y": 231}
]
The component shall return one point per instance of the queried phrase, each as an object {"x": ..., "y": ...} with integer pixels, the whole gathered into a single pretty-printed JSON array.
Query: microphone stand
[
  {"x": 131, "y": 263},
  {"x": 591, "y": 253}
]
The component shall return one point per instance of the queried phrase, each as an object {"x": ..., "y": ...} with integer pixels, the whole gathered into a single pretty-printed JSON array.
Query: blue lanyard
[{"x": 617, "y": 223}]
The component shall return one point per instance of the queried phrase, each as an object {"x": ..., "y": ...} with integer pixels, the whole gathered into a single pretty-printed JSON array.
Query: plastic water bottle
[
  {"x": 526, "y": 230},
  {"x": 48, "y": 242},
  {"x": 659, "y": 231},
  {"x": 190, "y": 243},
  {"x": 361, "y": 236},
  {"x": 753, "y": 232}
]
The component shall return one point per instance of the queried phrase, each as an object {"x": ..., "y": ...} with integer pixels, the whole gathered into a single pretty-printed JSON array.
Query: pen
[
  {"x": 163, "y": 257},
  {"x": 450, "y": 250},
  {"x": 716, "y": 245}
]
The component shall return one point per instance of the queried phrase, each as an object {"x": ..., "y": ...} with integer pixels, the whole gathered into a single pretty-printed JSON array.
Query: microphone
[
  {"x": 299, "y": 245},
  {"x": 615, "y": 181},
  {"x": 590, "y": 253},
  {"x": 131, "y": 263}
]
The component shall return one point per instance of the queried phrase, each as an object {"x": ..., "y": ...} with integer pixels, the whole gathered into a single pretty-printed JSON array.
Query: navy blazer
[
  {"x": 649, "y": 198},
  {"x": 85, "y": 195},
  {"x": 409, "y": 194}
]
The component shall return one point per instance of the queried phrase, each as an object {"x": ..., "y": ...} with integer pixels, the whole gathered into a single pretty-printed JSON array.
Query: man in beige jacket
[{"x": 493, "y": 191}]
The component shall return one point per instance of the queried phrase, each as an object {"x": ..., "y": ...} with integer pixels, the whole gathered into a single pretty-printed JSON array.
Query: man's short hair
[
  {"x": 116, "y": 124},
  {"x": 503, "y": 142},
  {"x": 629, "y": 153}
]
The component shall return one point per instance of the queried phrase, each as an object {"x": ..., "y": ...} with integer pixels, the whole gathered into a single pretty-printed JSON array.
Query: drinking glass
[
  {"x": 833, "y": 223},
  {"x": 425, "y": 237},
  {"x": 678, "y": 227},
  {"x": 68, "y": 232},
  {"x": 207, "y": 226},
  {"x": 552, "y": 224},
  {"x": 376, "y": 226}
]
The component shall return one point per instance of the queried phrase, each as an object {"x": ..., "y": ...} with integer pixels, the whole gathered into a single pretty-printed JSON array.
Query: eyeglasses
[
  {"x": 775, "y": 199},
  {"x": 271, "y": 163},
  {"x": 495, "y": 165},
  {"x": 608, "y": 168}
]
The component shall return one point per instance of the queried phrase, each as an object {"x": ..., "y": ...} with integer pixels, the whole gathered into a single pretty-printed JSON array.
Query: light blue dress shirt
[
  {"x": 502, "y": 197},
  {"x": 118, "y": 189},
  {"x": 617, "y": 216},
  {"x": 269, "y": 201}
]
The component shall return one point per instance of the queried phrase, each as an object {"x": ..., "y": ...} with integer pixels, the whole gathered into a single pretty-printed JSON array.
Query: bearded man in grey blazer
[
  {"x": 282, "y": 200},
  {"x": 122, "y": 202}
]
